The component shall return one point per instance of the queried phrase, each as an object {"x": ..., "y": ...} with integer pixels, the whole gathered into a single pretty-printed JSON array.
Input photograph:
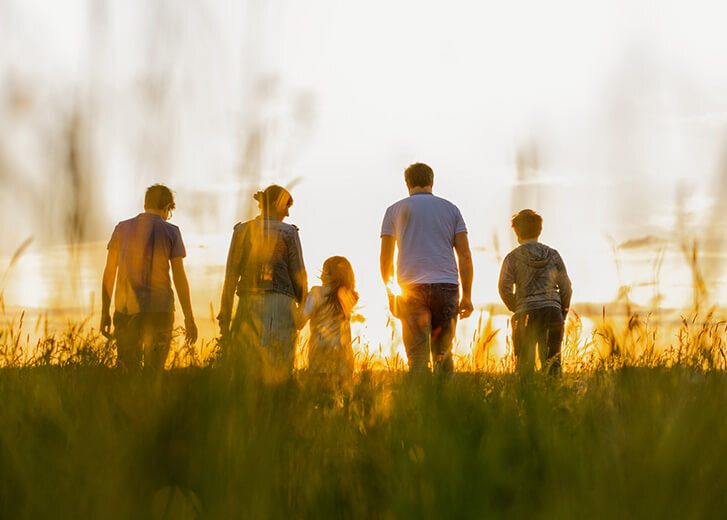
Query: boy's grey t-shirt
[
  {"x": 145, "y": 246},
  {"x": 424, "y": 227}
]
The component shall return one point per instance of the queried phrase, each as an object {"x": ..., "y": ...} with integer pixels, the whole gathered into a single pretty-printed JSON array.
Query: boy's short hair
[
  {"x": 527, "y": 224},
  {"x": 419, "y": 175},
  {"x": 158, "y": 196}
]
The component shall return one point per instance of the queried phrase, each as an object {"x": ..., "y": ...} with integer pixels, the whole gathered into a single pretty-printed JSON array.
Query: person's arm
[
  {"x": 565, "y": 287},
  {"x": 232, "y": 278},
  {"x": 466, "y": 273},
  {"x": 296, "y": 265},
  {"x": 306, "y": 309},
  {"x": 386, "y": 258},
  {"x": 386, "y": 264},
  {"x": 506, "y": 285},
  {"x": 182, "y": 286},
  {"x": 107, "y": 290}
]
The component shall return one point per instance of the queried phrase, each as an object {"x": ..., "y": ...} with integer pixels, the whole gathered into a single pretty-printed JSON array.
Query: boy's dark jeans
[
  {"x": 428, "y": 314},
  {"x": 541, "y": 327},
  {"x": 149, "y": 333}
]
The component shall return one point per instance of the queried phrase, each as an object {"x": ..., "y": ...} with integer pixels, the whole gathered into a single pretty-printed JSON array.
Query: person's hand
[
  {"x": 465, "y": 307},
  {"x": 190, "y": 331},
  {"x": 105, "y": 325},
  {"x": 299, "y": 318}
]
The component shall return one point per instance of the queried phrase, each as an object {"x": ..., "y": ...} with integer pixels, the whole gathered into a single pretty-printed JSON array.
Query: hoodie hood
[{"x": 534, "y": 254}]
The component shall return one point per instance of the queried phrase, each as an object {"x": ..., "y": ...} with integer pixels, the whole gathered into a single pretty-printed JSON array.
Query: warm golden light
[
  {"x": 587, "y": 152},
  {"x": 393, "y": 288}
]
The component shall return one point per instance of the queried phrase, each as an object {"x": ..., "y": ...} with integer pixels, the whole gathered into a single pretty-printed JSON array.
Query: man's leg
[
  {"x": 127, "y": 332},
  {"x": 444, "y": 305},
  {"x": 157, "y": 330},
  {"x": 416, "y": 326}
]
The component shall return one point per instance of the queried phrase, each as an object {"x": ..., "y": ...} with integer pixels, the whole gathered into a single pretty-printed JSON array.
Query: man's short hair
[
  {"x": 419, "y": 175},
  {"x": 158, "y": 196},
  {"x": 527, "y": 224}
]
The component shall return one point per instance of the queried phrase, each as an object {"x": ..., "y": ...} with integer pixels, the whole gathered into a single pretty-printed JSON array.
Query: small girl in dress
[{"x": 329, "y": 308}]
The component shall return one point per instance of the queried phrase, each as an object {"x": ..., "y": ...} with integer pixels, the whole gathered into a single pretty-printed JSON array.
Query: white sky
[{"x": 624, "y": 99}]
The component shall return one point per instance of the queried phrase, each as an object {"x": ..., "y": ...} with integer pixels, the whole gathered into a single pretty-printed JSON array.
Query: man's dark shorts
[
  {"x": 149, "y": 333},
  {"x": 428, "y": 314}
]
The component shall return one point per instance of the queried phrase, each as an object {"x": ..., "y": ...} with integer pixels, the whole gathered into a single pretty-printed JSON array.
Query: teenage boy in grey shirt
[
  {"x": 140, "y": 253},
  {"x": 427, "y": 231},
  {"x": 534, "y": 285}
]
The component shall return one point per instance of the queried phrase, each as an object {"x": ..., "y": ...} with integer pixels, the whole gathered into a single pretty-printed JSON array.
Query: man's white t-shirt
[{"x": 424, "y": 227}]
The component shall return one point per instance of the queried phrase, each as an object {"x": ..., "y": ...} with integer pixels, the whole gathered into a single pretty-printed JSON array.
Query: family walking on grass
[{"x": 265, "y": 270}]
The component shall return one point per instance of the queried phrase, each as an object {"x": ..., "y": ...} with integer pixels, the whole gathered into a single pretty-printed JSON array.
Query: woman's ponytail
[{"x": 273, "y": 196}]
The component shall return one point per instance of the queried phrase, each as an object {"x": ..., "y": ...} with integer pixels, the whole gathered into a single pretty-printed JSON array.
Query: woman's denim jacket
[{"x": 265, "y": 256}]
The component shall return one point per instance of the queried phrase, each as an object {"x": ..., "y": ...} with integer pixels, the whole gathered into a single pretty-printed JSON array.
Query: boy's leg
[
  {"x": 539, "y": 334},
  {"x": 157, "y": 330},
  {"x": 523, "y": 342},
  {"x": 517, "y": 342},
  {"x": 444, "y": 304},
  {"x": 554, "y": 325},
  {"x": 416, "y": 327},
  {"x": 127, "y": 332}
]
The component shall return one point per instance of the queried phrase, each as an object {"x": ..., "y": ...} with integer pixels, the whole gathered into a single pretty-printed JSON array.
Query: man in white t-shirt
[{"x": 427, "y": 230}]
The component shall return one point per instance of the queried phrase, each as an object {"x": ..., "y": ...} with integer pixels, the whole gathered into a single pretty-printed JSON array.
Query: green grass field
[{"x": 626, "y": 437}]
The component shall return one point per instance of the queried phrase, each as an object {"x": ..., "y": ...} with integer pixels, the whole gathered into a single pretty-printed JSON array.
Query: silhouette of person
[
  {"x": 534, "y": 285},
  {"x": 265, "y": 268},
  {"x": 140, "y": 253},
  {"x": 427, "y": 230}
]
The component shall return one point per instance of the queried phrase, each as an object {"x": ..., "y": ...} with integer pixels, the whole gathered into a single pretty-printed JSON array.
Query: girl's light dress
[{"x": 330, "y": 349}]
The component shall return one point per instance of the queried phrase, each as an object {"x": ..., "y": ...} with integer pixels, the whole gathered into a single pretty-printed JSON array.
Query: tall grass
[
  {"x": 90, "y": 442},
  {"x": 626, "y": 432}
]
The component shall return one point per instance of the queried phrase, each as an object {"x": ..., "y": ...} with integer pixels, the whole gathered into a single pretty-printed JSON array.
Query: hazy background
[{"x": 609, "y": 118}]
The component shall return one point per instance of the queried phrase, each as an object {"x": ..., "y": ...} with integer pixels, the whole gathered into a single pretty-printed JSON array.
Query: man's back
[
  {"x": 424, "y": 227},
  {"x": 145, "y": 245}
]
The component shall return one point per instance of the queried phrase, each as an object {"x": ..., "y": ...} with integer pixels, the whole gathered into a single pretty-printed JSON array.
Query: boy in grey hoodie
[{"x": 534, "y": 285}]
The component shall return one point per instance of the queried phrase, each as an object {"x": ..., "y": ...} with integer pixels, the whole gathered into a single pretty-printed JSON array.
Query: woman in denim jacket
[{"x": 265, "y": 269}]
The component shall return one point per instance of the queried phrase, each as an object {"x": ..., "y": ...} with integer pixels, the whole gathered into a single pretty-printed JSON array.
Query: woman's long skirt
[{"x": 265, "y": 331}]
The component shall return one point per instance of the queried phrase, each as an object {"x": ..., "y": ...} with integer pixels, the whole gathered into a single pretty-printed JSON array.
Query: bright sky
[{"x": 623, "y": 101}]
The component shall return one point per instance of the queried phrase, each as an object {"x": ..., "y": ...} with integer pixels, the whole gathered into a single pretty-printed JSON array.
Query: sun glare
[
  {"x": 583, "y": 151},
  {"x": 394, "y": 288}
]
